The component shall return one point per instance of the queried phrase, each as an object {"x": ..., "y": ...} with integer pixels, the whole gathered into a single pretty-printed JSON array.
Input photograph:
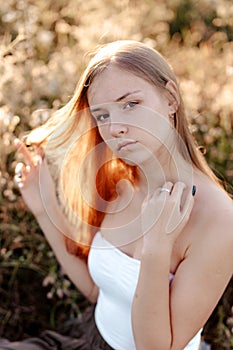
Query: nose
[{"x": 118, "y": 129}]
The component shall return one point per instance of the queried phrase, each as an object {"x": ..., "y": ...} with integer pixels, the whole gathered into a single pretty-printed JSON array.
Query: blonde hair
[{"x": 71, "y": 136}]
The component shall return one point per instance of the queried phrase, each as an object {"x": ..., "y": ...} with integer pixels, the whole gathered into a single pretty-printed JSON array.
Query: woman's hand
[
  {"x": 165, "y": 213},
  {"x": 34, "y": 180}
]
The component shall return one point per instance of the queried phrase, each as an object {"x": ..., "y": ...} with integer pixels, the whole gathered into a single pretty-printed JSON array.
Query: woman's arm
[
  {"x": 167, "y": 317},
  {"x": 38, "y": 192},
  {"x": 53, "y": 226},
  {"x": 151, "y": 309}
]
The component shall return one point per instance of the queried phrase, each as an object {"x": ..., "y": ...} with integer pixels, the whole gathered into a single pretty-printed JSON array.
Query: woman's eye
[
  {"x": 130, "y": 104},
  {"x": 102, "y": 117}
]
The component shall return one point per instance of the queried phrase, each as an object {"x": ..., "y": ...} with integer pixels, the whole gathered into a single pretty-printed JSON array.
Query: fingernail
[
  {"x": 20, "y": 184},
  {"x": 194, "y": 190}
]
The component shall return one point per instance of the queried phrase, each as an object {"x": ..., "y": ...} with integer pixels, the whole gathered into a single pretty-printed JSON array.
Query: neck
[{"x": 168, "y": 167}]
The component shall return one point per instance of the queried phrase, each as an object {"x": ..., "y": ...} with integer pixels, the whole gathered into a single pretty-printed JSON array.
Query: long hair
[{"x": 85, "y": 170}]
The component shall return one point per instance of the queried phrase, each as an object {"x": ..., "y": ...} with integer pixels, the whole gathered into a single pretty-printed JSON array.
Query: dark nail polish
[{"x": 194, "y": 190}]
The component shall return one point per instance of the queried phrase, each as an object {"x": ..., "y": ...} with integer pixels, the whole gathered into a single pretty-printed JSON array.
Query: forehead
[{"x": 113, "y": 83}]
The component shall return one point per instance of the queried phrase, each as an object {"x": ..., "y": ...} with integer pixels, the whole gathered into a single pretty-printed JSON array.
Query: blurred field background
[{"x": 44, "y": 47}]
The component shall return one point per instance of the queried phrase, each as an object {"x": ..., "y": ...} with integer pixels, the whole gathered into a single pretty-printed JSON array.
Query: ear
[{"x": 173, "y": 95}]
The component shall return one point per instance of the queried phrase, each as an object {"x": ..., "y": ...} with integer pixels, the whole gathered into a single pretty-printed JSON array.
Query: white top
[{"x": 116, "y": 275}]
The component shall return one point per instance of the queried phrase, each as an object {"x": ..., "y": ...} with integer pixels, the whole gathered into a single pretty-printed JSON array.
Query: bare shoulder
[
  {"x": 218, "y": 207},
  {"x": 213, "y": 216},
  {"x": 209, "y": 244}
]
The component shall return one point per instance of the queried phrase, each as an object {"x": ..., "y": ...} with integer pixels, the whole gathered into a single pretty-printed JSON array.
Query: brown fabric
[{"x": 81, "y": 334}]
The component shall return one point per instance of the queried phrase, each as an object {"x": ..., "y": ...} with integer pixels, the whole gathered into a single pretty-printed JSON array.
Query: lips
[{"x": 124, "y": 144}]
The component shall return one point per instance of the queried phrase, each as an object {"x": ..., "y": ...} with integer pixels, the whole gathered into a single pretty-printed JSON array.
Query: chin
[{"x": 128, "y": 161}]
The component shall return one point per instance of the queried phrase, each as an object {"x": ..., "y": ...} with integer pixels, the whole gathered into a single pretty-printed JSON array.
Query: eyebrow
[
  {"x": 117, "y": 100},
  {"x": 126, "y": 95}
]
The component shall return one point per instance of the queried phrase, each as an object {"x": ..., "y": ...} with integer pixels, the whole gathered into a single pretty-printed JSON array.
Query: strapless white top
[{"x": 116, "y": 275}]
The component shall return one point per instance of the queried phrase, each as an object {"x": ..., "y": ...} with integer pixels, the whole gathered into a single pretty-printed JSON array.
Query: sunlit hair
[{"x": 70, "y": 138}]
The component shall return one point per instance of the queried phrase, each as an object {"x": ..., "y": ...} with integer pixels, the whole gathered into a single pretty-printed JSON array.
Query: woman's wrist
[
  {"x": 156, "y": 244},
  {"x": 160, "y": 257}
]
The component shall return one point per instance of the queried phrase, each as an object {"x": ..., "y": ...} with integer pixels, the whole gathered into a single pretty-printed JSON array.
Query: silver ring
[{"x": 164, "y": 189}]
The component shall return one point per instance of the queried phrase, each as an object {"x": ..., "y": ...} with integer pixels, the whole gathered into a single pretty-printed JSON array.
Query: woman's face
[{"x": 132, "y": 115}]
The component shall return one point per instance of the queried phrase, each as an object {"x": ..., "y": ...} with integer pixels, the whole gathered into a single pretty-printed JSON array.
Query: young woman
[{"x": 147, "y": 226}]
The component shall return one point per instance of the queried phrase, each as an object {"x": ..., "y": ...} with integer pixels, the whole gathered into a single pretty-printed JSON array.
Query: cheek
[
  {"x": 155, "y": 131},
  {"x": 104, "y": 133}
]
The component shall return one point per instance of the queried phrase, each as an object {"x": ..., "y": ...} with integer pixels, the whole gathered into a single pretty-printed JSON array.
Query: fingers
[
  {"x": 22, "y": 149},
  {"x": 181, "y": 207},
  {"x": 19, "y": 175},
  {"x": 168, "y": 208},
  {"x": 182, "y": 199},
  {"x": 177, "y": 195},
  {"x": 173, "y": 191},
  {"x": 188, "y": 205},
  {"x": 32, "y": 162},
  {"x": 161, "y": 192},
  {"x": 21, "y": 171},
  {"x": 29, "y": 158},
  {"x": 166, "y": 189}
]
